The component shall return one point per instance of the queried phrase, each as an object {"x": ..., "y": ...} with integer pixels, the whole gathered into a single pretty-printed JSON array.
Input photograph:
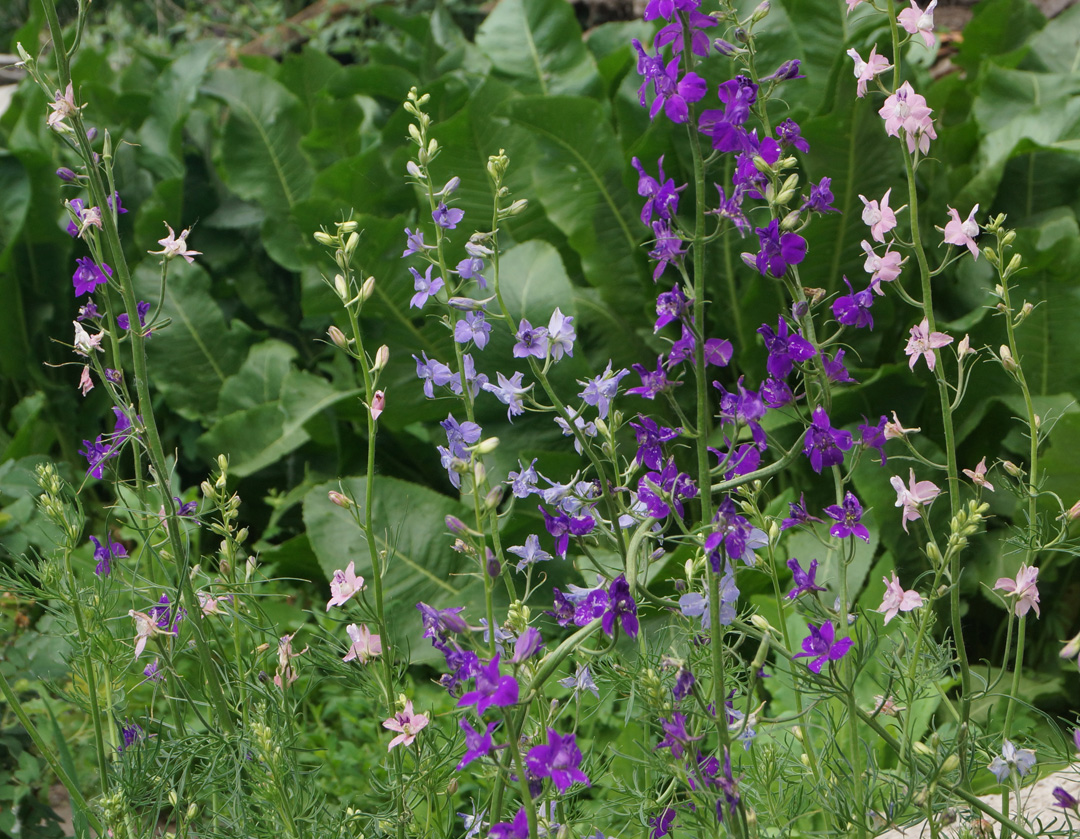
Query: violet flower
[
  {"x": 621, "y": 608},
  {"x": 825, "y": 445},
  {"x": 778, "y": 251},
  {"x": 476, "y": 744},
  {"x": 805, "y": 581},
  {"x": 491, "y": 689},
  {"x": 104, "y": 554},
  {"x": 847, "y": 516},
  {"x": 559, "y": 760},
  {"x": 820, "y": 645}
]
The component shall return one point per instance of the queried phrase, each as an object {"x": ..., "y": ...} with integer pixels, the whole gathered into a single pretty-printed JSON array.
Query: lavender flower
[
  {"x": 491, "y": 689},
  {"x": 531, "y": 341},
  {"x": 676, "y": 736},
  {"x": 1022, "y": 760},
  {"x": 446, "y": 217},
  {"x": 476, "y": 744},
  {"x": 473, "y": 327},
  {"x": 510, "y": 392},
  {"x": 601, "y": 390},
  {"x": 621, "y": 608},
  {"x": 425, "y": 287},
  {"x": 559, "y": 760},
  {"x": 581, "y": 680},
  {"x": 530, "y": 553},
  {"x": 88, "y": 276}
]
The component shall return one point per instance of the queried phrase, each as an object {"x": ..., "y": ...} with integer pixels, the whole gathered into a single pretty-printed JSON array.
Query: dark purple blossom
[
  {"x": 661, "y": 196},
  {"x": 104, "y": 554},
  {"x": 96, "y": 453},
  {"x": 834, "y": 367},
  {"x": 853, "y": 309},
  {"x": 787, "y": 71},
  {"x": 653, "y": 382},
  {"x": 441, "y": 623},
  {"x": 657, "y": 489},
  {"x": 661, "y": 824},
  {"x": 684, "y": 681},
  {"x": 527, "y": 645},
  {"x": 621, "y": 609},
  {"x": 847, "y": 518},
  {"x": 674, "y": 94},
  {"x": 797, "y": 514},
  {"x": 789, "y": 135},
  {"x": 821, "y": 646},
  {"x": 667, "y": 247},
  {"x": 785, "y": 348},
  {"x": 142, "y": 308},
  {"x": 517, "y": 829},
  {"x": 676, "y": 736},
  {"x": 559, "y": 760},
  {"x": 820, "y": 198},
  {"x": 130, "y": 734},
  {"x": 650, "y": 440},
  {"x": 1064, "y": 799},
  {"x": 778, "y": 250},
  {"x": 671, "y": 305},
  {"x": 731, "y": 209},
  {"x": 776, "y": 393},
  {"x": 825, "y": 445},
  {"x": 805, "y": 581},
  {"x": 476, "y": 744},
  {"x": 88, "y": 276},
  {"x": 162, "y": 613},
  {"x": 873, "y": 436},
  {"x": 562, "y": 527},
  {"x": 491, "y": 689}
]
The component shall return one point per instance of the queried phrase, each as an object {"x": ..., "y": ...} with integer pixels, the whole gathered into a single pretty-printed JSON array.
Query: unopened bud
[
  {"x": 726, "y": 48},
  {"x": 341, "y": 287},
  {"x": 517, "y": 208},
  {"x": 452, "y": 787},
  {"x": 457, "y": 526},
  {"x": 761, "y": 12},
  {"x": 450, "y": 188},
  {"x": 964, "y": 347},
  {"x": 804, "y": 759},
  {"x": 1014, "y": 264},
  {"x": 485, "y": 446},
  {"x": 338, "y": 337},
  {"x": 741, "y": 35},
  {"x": 207, "y": 489},
  {"x": 174, "y": 799},
  {"x": 921, "y": 748},
  {"x": 414, "y": 170},
  {"x": 414, "y": 132},
  {"x": 761, "y": 623},
  {"x": 65, "y": 174},
  {"x": 351, "y": 243},
  {"x": 340, "y": 499},
  {"x": 324, "y": 238},
  {"x": 1008, "y": 238},
  {"x": 241, "y": 536},
  {"x": 347, "y": 226},
  {"x": 493, "y": 566},
  {"x": 494, "y": 497},
  {"x": 990, "y": 254},
  {"x": 249, "y": 568},
  {"x": 382, "y": 356},
  {"x": 951, "y": 764},
  {"x": 192, "y": 810},
  {"x": 1072, "y": 648},
  {"x": 791, "y": 220},
  {"x": 1007, "y": 360},
  {"x": 367, "y": 289},
  {"x": 761, "y": 164}
]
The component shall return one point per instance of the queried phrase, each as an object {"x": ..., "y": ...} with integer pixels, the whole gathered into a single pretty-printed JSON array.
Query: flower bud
[
  {"x": 1072, "y": 648},
  {"x": 517, "y": 208},
  {"x": 492, "y": 565},
  {"x": 91, "y": 135},
  {"x": 494, "y": 497},
  {"x": 450, "y": 188},
  {"x": 1007, "y": 360},
  {"x": 1014, "y": 264},
  {"x": 65, "y": 174},
  {"x": 1008, "y": 238},
  {"x": 452, "y": 787},
  {"x": 1074, "y": 512},
  {"x": 467, "y": 304},
  {"x": 791, "y": 220},
  {"x": 24, "y": 56},
  {"x": 414, "y": 170},
  {"x": 324, "y": 238},
  {"x": 351, "y": 243},
  {"x": 174, "y": 799},
  {"x": 347, "y": 226},
  {"x": 367, "y": 289},
  {"x": 726, "y": 48},
  {"x": 338, "y": 498},
  {"x": 990, "y": 254},
  {"x": 457, "y": 526},
  {"x": 382, "y": 356},
  {"x": 414, "y": 132},
  {"x": 741, "y": 35},
  {"x": 964, "y": 347},
  {"x": 951, "y": 764},
  {"x": 761, "y": 12},
  {"x": 485, "y": 446},
  {"x": 921, "y": 748},
  {"x": 1012, "y": 468},
  {"x": 337, "y": 337}
]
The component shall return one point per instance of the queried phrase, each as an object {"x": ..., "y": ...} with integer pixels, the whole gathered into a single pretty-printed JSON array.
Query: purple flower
[
  {"x": 104, "y": 554},
  {"x": 530, "y": 552},
  {"x": 661, "y": 824},
  {"x": 1064, "y": 799},
  {"x": 446, "y": 217},
  {"x": 470, "y": 268},
  {"x": 804, "y": 580},
  {"x": 601, "y": 390},
  {"x": 523, "y": 482},
  {"x": 834, "y": 367},
  {"x": 510, "y": 393},
  {"x": 675, "y": 94},
  {"x": 873, "y": 437},
  {"x": 676, "y": 736},
  {"x": 820, "y": 199},
  {"x": 581, "y": 680},
  {"x": 1022, "y": 760},
  {"x": 667, "y": 247},
  {"x": 558, "y": 760},
  {"x": 96, "y": 453},
  {"x": 563, "y": 526},
  {"x": 433, "y": 373},
  {"x": 684, "y": 684},
  {"x": 142, "y": 308},
  {"x": 474, "y": 381},
  {"x": 671, "y": 305},
  {"x": 621, "y": 608},
  {"x": 476, "y": 744},
  {"x": 473, "y": 327},
  {"x": 847, "y": 519},
  {"x": 797, "y": 514},
  {"x": 824, "y": 445},
  {"x": 491, "y": 689},
  {"x": 821, "y": 646},
  {"x": 441, "y": 623},
  {"x": 130, "y": 734},
  {"x": 787, "y": 71},
  {"x": 788, "y": 134},
  {"x": 162, "y": 615},
  {"x": 77, "y": 205},
  {"x": 854, "y": 309},
  {"x": 460, "y": 435},
  {"x": 88, "y": 276},
  {"x": 653, "y": 382},
  {"x": 424, "y": 286},
  {"x": 531, "y": 341},
  {"x": 517, "y": 829},
  {"x": 561, "y": 335},
  {"x": 785, "y": 348},
  {"x": 414, "y": 242},
  {"x": 662, "y": 199},
  {"x": 527, "y": 645},
  {"x": 778, "y": 251}
]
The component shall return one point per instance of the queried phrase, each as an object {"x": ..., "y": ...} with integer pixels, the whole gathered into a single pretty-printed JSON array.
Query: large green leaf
[
  {"x": 537, "y": 45},
  {"x": 579, "y": 181},
  {"x": 533, "y": 282},
  {"x": 408, "y": 524},
  {"x": 261, "y": 159},
  {"x": 192, "y": 357}
]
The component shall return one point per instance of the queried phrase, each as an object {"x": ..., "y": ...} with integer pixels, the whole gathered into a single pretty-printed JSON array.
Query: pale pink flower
[
  {"x": 918, "y": 21},
  {"x": 851, "y": 4},
  {"x": 211, "y": 605},
  {"x": 86, "y": 384},
  {"x": 173, "y": 246},
  {"x": 878, "y": 216},
  {"x": 364, "y": 644},
  {"x": 407, "y": 723},
  {"x": 1023, "y": 588},
  {"x": 913, "y": 497},
  {"x": 378, "y": 404},
  {"x": 286, "y": 673},
  {"x": 883, "y": 269},
  {"x": 923, "y": 342},
  {"x": 907, "y": 110},
  {"x": 978, "y": 477},
  {"x": 896, "y": 599},
  {"x": 145, "y": 626},
  {"x": 89, "y": 217},
  {"x": 63, "y": 106},
  {"x": 865, "y": 71},
  {"x": 344, "y": 585},
  {"x": 963, "y": 233},
  {"x": 895, "y": 431},
  {"x": 85, "y": 343}
]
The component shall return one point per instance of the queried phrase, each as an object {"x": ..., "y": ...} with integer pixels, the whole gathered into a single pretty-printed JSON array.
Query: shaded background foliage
[{"x": 257, "y": 146}]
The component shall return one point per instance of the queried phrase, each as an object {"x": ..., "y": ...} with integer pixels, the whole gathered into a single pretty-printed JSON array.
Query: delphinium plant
[{"x": 796, "y": 710}]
